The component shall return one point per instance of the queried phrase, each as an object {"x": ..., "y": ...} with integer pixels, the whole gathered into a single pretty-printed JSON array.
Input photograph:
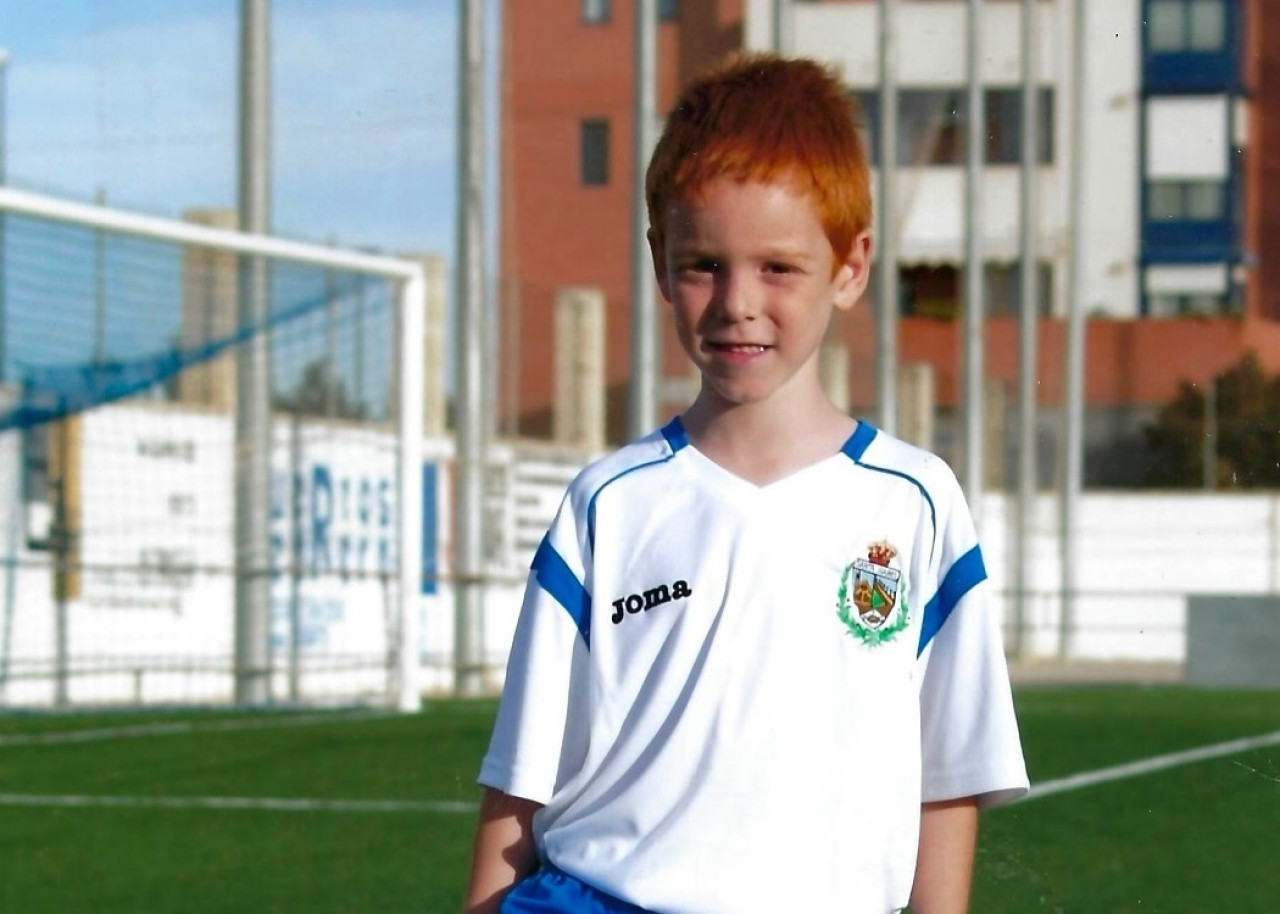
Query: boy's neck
[{"x": 763, "y": 443}]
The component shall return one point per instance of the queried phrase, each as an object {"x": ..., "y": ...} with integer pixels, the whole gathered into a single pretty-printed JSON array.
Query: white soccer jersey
[{"x": 733, "y": 698}]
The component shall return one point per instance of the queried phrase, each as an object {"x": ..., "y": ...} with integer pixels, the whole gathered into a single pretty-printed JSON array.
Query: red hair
[{"x": 761, "y": 117}]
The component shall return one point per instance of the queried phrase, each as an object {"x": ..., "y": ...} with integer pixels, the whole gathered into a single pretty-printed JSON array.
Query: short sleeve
[
  {"x": 538, "y": 737},
  {"x": 970, "y": 744}
]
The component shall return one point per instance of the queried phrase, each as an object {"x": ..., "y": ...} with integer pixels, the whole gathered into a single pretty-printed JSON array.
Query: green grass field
[{"x": 1197, "y": 837}]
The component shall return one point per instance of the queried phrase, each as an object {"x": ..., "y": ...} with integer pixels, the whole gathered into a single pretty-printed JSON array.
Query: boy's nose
[{"x": 736, "y": 299}]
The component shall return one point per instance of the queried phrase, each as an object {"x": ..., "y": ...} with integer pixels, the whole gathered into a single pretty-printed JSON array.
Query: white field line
[
  {"x": 133, "y": 731},
  {"x": 1148, "y": 765},
  {"x": 271, "y": 804}
]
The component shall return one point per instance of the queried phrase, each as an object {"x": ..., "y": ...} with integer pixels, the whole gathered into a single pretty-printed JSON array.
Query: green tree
[
  {"x": 1234, "y": 423},
  {"x": 319, "y": 393}
]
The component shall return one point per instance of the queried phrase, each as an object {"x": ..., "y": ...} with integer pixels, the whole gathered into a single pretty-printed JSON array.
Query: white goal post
[{"x": 404, "y": 396}]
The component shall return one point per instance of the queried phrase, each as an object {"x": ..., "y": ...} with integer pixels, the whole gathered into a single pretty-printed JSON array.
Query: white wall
[{"x": 1141, "y": 555}]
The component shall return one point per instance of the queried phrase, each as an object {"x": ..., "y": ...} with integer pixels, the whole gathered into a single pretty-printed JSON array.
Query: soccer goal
[{"x": 211, "y": 475}]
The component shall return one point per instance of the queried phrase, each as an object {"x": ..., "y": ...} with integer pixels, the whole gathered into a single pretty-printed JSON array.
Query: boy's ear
[
  {"x": 854, "y": 272},
  {"x": 659, "y": 255}
]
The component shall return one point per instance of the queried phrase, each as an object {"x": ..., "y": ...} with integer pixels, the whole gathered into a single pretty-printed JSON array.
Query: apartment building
[{"x": 1178, "y": 160}]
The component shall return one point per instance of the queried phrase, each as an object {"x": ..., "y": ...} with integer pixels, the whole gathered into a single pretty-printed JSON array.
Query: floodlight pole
[
  {"x": 886, "y": 224},
  {"x": 1028, "y": 318},
  {"x": 1073, "y": 405},
  {"x": 781, "y": 26},
  {"x": 644, "y": 315},
  {"x": 974, "y": 290},
  {"x": 253, "y": 369},
  {"x": 468, "y": 636}
]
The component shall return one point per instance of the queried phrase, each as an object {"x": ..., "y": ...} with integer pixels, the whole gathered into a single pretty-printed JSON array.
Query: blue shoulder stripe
[
  {"x": 675, "y": 434},
  {"x": 966, "y": 573},
  {"x": 858, "y": 442},
  {"x": 555, "y": 577},
  {"x": 676, "y": 437},
  {"x": 857, "y": 446}
]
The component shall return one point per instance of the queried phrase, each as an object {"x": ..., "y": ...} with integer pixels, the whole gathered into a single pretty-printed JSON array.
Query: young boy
[{"x": 755, "y": 670}]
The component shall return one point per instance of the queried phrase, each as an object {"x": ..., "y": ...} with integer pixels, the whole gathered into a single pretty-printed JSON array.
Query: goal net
[{"x": 210, "y": 463}]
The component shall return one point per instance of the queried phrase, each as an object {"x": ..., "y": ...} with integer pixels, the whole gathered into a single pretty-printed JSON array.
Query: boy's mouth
[{"x": 744, "y": 348}]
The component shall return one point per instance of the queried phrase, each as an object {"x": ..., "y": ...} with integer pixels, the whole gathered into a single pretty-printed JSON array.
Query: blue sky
[{"x": 138, "y": 98}]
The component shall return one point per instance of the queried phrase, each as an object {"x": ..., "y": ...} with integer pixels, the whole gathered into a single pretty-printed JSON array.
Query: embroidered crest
[{"x": 870, "y": 600}]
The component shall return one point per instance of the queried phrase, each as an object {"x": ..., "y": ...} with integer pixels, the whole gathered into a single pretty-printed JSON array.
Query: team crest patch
[{"x": 870, "y": 600}]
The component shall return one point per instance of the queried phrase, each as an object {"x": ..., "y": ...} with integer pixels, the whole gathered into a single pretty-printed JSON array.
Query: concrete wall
[
  {"x": 1233, "y": 640},
  {"x": 1142, "y": 556}
]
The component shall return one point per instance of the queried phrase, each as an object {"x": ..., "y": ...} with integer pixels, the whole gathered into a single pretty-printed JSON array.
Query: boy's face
[{"x": 752, "y": 279}]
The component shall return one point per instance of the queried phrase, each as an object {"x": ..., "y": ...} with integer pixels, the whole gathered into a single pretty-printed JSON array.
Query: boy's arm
[
  {"x": 504, "y": 849},
  {"x": 944, "y": 867}
]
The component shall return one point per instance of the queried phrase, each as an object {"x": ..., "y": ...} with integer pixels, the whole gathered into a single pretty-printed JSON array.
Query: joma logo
[{"x": 655, "y": 596}]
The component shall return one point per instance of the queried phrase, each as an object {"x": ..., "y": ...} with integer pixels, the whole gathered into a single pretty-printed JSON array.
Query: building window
[
  {"x": 1187, "y": 26},
  {"x": 931, "y": 125},
  {"x": 668, "y": 10},
  {"x": 595, "y": 12},
  {"x": 1186, "y": 201},
  {"x": 594, "y": 152},
  {"x": 1003, "y": 289},
  {"x": 1004, "y": 126},
  {"x": 938, "y": 291},
  {"x": 930, "y": 291},
  {"x": 1187, "y": 304}
]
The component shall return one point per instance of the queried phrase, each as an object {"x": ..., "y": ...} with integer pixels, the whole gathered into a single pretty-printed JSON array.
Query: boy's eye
[
  {"x": 701, "y": 265},
  {"x": 777, "y": 267}
]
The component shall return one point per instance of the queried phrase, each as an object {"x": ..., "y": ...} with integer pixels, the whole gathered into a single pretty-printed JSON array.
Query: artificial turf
[{"x": 1194, "y": 838}]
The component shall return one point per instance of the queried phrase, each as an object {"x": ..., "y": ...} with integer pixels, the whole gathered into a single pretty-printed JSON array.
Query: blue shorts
[{"x": 553, "y": 891}]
